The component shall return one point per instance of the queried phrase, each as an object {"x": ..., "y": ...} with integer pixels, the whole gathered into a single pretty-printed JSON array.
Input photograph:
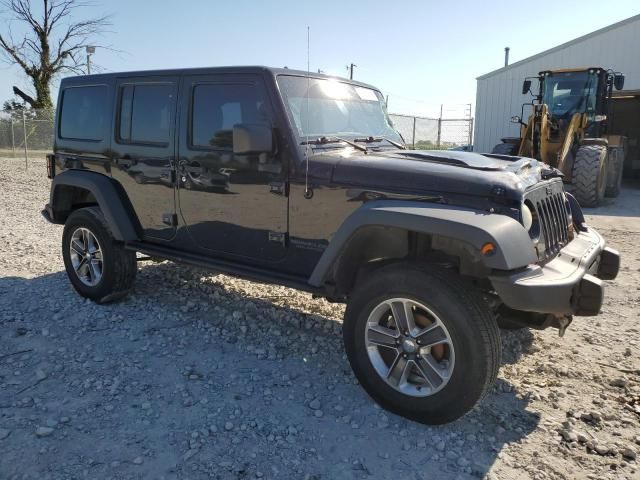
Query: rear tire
[
  {"x": 98, "y": 266},
  {"x": 615, "y": 158},
  {"x": 466, "y": 351},
  {"x": 590, "y": 175},
  {"x": 506, "y": 149}
]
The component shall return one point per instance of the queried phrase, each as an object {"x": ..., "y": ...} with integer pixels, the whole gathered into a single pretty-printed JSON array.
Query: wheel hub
[{"x": 409, "y": 345}]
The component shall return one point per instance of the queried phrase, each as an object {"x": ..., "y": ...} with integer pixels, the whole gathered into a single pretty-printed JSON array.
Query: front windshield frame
[
  {"x": 566, "y": 104},
  {"x": 338, "y": 96}
]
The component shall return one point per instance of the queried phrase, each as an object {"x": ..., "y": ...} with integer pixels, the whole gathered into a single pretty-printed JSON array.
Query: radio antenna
[{"x": 306, "y": 149}]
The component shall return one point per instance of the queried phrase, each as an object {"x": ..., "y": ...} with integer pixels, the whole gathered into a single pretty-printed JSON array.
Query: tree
[
  {"x": 52, "y": 42},
  {"x": 11, "y": 107},
  {"x": 15, "y": 110}
]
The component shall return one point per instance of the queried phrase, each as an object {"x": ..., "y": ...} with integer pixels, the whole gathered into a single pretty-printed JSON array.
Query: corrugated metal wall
[{"x": 499, "y": 95}]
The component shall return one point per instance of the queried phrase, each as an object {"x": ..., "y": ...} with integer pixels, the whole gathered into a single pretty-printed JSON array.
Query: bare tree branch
[
  {"x": 24, "y": 96},
  {"x": 13, "y": 53},
  {"x": 53, "y": 41}
]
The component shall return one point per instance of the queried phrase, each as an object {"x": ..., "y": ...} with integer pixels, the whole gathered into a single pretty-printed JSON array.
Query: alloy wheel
[
  {"x": 86, "y": 256},
  {"x": 409, "y": 347}
]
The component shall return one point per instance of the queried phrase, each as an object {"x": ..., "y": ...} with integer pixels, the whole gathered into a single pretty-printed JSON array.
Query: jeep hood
[{"x": 432, "y": 171}]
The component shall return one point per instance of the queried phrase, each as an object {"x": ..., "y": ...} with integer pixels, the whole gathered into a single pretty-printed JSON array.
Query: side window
[
  {"x": 145, "y": 114},
  {"x": 216, "y": 108},
  {"x": 84, "y": 113}
]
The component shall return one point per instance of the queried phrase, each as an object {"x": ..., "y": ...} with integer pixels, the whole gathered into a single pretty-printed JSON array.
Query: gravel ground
[{"x": 197, "y": 375}]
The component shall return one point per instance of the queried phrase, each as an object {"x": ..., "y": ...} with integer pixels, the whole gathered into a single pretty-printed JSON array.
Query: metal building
[{"x": 499, "y": 93}]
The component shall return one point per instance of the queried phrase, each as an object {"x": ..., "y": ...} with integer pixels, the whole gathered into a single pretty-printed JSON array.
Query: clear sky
[{"x": 420, "y": 53}]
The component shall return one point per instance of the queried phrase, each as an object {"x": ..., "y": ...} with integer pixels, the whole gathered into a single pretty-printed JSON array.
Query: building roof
[{"x": 635, "y": 18}]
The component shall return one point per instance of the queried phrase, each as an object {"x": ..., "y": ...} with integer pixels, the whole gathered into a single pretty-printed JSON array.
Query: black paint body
[{"x": 280, "y": 212}]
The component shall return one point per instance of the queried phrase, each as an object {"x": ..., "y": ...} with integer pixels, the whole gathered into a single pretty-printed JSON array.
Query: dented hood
[{"x": 430, "y": 172}]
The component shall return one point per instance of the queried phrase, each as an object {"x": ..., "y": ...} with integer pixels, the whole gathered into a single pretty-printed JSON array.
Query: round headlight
[{"x": 527, "y": 217}]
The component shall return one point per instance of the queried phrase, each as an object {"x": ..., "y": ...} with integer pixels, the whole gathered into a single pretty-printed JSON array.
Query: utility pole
[
  {"x": 350, "y": 68},
  {"x": 90, "y": 51},
  {"x": 24, "y": 132},
  {"x": 413, "y": 138},
  {"x": 439, "y": 128},
  {"x": 13, "y": 139}
]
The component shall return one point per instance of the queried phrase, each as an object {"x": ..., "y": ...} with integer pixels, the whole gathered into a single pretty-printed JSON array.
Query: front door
[{"x": 233, "y": 205}]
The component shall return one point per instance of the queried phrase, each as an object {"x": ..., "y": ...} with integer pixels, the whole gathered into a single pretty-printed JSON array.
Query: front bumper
[{"x": 570, "y": 284}]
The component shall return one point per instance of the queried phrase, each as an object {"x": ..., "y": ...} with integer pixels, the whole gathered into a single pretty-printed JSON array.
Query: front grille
[{"x": 551, "y": 218}]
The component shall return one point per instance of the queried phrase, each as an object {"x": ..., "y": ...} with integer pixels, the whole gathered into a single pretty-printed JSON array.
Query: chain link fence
[
  {"x": 29, "y": 133},
  {"x": 434, "y": 133},
  {"x": 26, "y": 133}
]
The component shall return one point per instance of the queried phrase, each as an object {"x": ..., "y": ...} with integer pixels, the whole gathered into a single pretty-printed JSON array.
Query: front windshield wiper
[
  {"x": 380, "y": 139},
  {"x": 325, "y": 140}
]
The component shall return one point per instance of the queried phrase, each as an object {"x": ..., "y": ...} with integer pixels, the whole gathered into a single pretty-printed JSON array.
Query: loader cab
[{"x": 587, "y": 91}]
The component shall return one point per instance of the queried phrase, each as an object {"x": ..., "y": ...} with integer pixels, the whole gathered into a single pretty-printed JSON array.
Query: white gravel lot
[{"x": 197, "y": 375}]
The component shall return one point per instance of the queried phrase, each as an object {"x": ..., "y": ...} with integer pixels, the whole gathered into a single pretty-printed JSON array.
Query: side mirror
[
  {"x": 516, "y": 119},
  {"x": 252, "y": 138},
  {"x": 526, "y": 87},
  {"x": 618, "y": 81}
]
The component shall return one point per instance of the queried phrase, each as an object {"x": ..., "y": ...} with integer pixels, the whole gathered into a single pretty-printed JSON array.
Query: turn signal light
[{"x": 488, "y": 249}]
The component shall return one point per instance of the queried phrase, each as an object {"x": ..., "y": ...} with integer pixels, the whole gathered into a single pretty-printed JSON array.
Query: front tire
[
  {"x": 422, "y": 343},
  {"x": 98, "y": 266},
  {"x": 590, "y": 175}
]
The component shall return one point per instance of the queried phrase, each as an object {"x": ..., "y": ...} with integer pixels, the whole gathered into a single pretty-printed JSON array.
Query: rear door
[
  {"x": 233, "y": 205},
  {"x": 143, "y": 150}
]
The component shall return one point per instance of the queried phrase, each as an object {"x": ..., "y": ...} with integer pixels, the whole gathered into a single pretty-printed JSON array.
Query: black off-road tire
[
  {"x": 615, "y": 158},
  {"x": 119, "y": 266},
  {"x": 471, "y": 325},
  {"x": 590, "y": 175},
  {"x": 506, "y": 149}
]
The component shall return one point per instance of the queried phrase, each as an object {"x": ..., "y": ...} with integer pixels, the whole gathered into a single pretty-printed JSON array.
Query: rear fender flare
[
  {"x": 514, "y": 248},
  {"x": 109, "y": 195}
]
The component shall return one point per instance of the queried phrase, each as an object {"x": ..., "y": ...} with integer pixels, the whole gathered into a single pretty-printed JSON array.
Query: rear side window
[
  {"x": 217, "y": 108},
  {"x": 84, "y": 113},
  {"x": 145, "y": 114}
]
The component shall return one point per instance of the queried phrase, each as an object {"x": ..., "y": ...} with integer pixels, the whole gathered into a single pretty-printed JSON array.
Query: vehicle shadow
[{"x": 192, "y": 320}]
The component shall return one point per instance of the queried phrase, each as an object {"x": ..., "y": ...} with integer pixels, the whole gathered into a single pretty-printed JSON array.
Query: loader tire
[
  {"x": 616, "y": 156},
  {"x": 590, "y": 175}
]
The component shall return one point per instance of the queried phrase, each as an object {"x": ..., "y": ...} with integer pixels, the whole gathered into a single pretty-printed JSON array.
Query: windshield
[
  {"x": 330, "y": 108},
  {"x": 570, "y": 92}
]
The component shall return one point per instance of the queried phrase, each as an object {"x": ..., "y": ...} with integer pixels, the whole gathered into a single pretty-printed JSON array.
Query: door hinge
[
  {"x": 279, "y": 188},
  {"x": 278, "y": 237},
  {"x": 170, "y": 219}
]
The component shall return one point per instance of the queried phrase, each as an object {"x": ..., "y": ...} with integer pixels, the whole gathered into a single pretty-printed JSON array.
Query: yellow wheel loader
[{"x": 568, "y": 127}]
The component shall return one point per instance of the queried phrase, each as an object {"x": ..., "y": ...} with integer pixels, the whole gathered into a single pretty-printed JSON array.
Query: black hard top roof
[{"x": 83, "y": 79}]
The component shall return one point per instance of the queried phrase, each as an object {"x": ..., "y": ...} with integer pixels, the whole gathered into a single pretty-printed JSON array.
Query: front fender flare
[
  {"x": 112, "y": 200},
  {"x": 514, "y": 248}
]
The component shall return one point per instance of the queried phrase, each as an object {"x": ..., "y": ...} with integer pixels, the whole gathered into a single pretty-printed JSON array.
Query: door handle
[{"x": 125, "y": 162}]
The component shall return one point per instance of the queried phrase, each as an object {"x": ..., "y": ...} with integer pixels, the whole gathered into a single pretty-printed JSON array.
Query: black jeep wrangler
[{"x": 301, "y": 180}]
